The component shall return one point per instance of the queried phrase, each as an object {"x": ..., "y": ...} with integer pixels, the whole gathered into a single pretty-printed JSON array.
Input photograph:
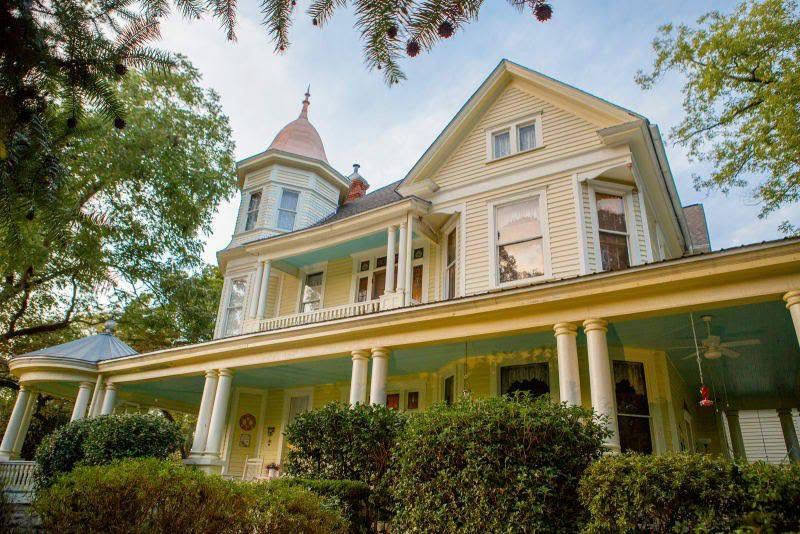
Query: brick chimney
[{"x": 358, "y": 185}]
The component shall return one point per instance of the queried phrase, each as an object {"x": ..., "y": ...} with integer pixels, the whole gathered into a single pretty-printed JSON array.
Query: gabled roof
[
  {"x": 92, "y": 349},
  {"x": 495, "y": 82}
]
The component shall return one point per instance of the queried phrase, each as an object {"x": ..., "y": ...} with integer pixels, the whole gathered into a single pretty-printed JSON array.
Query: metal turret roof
[{"x": 92, "y": 349}]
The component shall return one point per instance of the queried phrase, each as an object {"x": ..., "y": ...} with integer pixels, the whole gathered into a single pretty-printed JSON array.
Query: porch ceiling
[{"x": 340, "y": 250}]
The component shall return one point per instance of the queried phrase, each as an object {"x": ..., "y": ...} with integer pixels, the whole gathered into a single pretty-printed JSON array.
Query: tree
[
  {"x": 130, "y": 211},
  {"x": 741, "y": 90}
]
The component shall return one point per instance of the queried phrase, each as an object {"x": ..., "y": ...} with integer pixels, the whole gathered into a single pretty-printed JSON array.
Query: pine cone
[
  {"x": 392, "y": 31},
  {"x": 314, "y": 21},
  {"x": 120, "y": 69},
  {"x": 412, "y": 48},
  {"x": 543, "y": 12},
  {"x": 72, "y": 122},
  {"x": 119, "y": 124},
  {"x": 446, "y": 29}
]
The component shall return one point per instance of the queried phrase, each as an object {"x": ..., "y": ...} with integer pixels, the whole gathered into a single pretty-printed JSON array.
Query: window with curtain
[
  {"x": 449, "y": 389},
  {"x": 501, "y": 144},
  {"x": 520, "y": 246},
  {"x": 613, "y": 231},
  {"x": 234, "y": 311},
  {"x": 287, "y": 210},
  {"x": 450, "y": 268},
  {"x": 526, "y": 137},
  {"x": 533, "y": 377},
  {"x": 252, "y": 210},
  {"x": 633, "y": 410},
  {"x": 362, "y": 290},
  {"x": 312, "y": 292}
]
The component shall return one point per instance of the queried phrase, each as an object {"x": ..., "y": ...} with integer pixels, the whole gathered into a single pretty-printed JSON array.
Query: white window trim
[
  {"x": 373, "y": 254},
  {"x": 494, "y": 278},
  {"x": 278, "y": 208},
  {"x": 226, "y": 302},
  {"x": 626, "y": 192},
  {"x": 512, "y": 127},
  {"x": 288, "y": 394},
  {"x": 312, "y": 269},
  {"x": 245, "y": 204},
  {"x": 250, "y": 194}
]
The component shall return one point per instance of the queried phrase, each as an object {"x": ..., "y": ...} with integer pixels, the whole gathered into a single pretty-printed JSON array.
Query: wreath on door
[{"x": 247, "y": 422}]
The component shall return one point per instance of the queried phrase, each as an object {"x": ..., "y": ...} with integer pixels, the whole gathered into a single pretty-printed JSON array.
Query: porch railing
[
  {"x": 16, "y": 478},
  {"x": 316, "y": 316}
]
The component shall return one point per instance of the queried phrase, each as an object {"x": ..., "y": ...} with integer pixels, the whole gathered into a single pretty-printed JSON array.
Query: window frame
[
  {"x": 279, "y": 209},
  {"x": 257, "y": 210},
  {"x": 626, "y": 192},
  {"x": 510, "y": 140},
  {"x": 310, "y": 271},
  {"x": 227, "y": 306},
  {"x": 372, "y": 256},
  {"x": 494, "y": 275},
  {"x": 454, "y": 224},
  {"x": 513, "y": 127},
  {"x": 651, "y": 415}
]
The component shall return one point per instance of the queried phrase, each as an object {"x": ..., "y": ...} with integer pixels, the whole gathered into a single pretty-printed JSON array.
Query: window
[
  {"x": 287, "y": 211},
  {"x": 526, "y": 137},
  {"x": 449, "y": 389},
  {"x": 312, "y": 292},
  {"x": 363, "y": 289},
  {"x": 633, "y": 411},
  {"x": 416, "y": 283},
  {"x": 252, "y": 210},
  {"x": 612, "y": 231},
  {"x": 534, "y": 378},
  {"x": 501, "y": 144},
  {"x": 519, "y": 241},
  {"x": 393, "y": 401},
  {"x": 450, "y": 267},
  {"x": 234, "y": 311},
  {"x": 412, "y": 400}
]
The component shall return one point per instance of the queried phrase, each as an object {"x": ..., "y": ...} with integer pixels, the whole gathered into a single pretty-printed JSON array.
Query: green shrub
[
  {"x": 156, "y": 496},
  {"x": 340, "y": 442},
  {"x": 773, "y": 497},
  {"x": 5, "y": 512},
  {"x": 494, "y": 465},
  {"x": 352, "y": 497},
  {"x": 104, "y": 439}
]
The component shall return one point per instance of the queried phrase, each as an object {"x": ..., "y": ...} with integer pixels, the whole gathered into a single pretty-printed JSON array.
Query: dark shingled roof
[{"x": 380, "y": 197}]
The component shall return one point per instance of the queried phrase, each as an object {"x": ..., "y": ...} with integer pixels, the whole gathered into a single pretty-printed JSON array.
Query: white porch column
[
  {"x": 216, "y": 427},
  {"x": 401, "y": 260},
  {"x": 380, "y": 370},
  {"x": 409, "y": 267},
  {"x": 600, "y": 381},
  {"x": 204, "y": 415},
  {"x": 254, "y": 297},
  {"x": 358, "y": 379},
  {"x": 391, "y": 250},
  {"x": 109, "y": 399},
  {"x": 82, "y": 401},
  {"x": 264, "y": 289},
  {"x": 15, "y": 423},
  {"x": 792, "y": 299},
  {"x": 735, "y": 430},
  {"x": 97, "y": 397},
  {"x": 569, "y": 379},
  {"x": 26, "y": 424},
  {"x": 789, "y": 434}
]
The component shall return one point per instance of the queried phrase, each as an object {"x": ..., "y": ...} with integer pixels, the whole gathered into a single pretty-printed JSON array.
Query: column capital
[
  {"x": 791, "y": 298},
  {"x": 86, "y": 385},
  {"x": 784, "y": 412},
  {"x": 211, "y": 373},
  {"x": 393, "y": 227},
  {"x": 381, "y": 352},
  {"x": 110, "y": 386},
  {"x": 565, "y": 328},
  {"x": 225, "y": 372},
  {"x": 595, "y": 324},
  {"x": 25, "y": 387},
  {"x": 360, "y": 354}
]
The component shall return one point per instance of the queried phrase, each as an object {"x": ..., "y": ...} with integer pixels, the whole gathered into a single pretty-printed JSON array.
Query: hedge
[
  {"x": 157, "y": 496},
  {"x": 104, "y": 439},
  {"x": 689, "y": 493},
  {"x": 351, "y": 496},
  {"x": 494, "y": 465}
]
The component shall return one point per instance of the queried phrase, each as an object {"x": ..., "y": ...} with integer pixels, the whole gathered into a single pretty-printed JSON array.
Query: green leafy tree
[{"x": 742, "y": 86}]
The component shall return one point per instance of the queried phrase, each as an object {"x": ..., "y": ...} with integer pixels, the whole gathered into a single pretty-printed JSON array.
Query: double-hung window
[
  {"x": 501, "y": 144},
  {"x": 234, "y": 310},
  {"x": 519, "y": 240},
  {"x": 312, "y": 292},
  {"x": 287, "y": 210},
  {"x": 450, "y": 267},
  {"x": 612, "y": 231},
  {"x": 633, "y": 408},
  {"x": 252, "y": 210},
  {"x": 526, "y": 137},
  {"x": 514, "y": 137}
]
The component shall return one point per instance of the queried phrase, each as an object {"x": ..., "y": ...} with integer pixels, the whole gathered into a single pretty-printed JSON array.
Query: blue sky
[{"x": 596, "y": 46}]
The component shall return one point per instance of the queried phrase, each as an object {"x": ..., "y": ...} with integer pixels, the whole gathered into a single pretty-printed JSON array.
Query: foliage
[
  {"x": 741, "y": 89},
  {"x": 154, "y": 496},
  {"x": 352, "y": 497},
  {"x": 5, "y": 512},
  {"x": 102, "y": 440},
  {"x": 501, "y": 464},
  {"x": 340, "y": 442},
  {"x": 118, "y": 225},
  {"x": 689, "y": 493}
]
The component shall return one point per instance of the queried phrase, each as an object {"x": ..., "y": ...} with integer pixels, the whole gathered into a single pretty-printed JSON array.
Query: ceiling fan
[{"x": 712, "y": 347}]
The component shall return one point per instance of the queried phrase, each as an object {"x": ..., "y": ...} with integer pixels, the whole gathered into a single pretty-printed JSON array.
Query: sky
[{"x": 595, "y": 46}]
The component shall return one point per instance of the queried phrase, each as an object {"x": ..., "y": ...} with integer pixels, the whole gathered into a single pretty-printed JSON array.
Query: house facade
[{"x": 538, "y": 244}]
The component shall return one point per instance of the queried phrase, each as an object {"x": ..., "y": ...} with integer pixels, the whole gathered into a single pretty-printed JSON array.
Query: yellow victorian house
[{"x": 538, "y": 244}]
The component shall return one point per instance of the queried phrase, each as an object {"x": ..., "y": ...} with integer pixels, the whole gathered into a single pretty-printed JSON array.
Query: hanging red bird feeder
[{"x": 705, "y": 402}]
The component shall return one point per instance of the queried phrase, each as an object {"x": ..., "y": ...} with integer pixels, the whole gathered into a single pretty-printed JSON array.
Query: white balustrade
[
  {"x": 317, "y": 316},
  {"x": 16, "y": 477}
]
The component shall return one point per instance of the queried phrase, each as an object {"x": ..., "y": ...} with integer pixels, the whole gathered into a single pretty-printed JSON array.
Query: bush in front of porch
[{"x": 498, "y": 464}]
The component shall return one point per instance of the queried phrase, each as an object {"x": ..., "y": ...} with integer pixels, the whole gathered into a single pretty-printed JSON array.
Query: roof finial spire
[{"x": 304, "y": 111}]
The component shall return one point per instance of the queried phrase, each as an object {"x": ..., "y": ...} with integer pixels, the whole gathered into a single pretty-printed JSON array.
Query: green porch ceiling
[{"x": 342, "y": 250}]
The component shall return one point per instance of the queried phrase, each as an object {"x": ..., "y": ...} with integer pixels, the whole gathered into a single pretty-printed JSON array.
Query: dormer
[{"x": 289, "y": 186}]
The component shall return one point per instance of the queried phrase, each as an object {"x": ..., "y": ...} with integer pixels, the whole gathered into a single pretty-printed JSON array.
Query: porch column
[
  {"x": 256, "y": 290},
  {"x": 204, "y": 415},
  {"x": 391, "y": 250},
  {"x": 409, "y": 268},
  {"x": 109, "y": 400},
  {"x": 358, "y": 380},
  {"x": 600, "y": 382},
  {"x": 380, "y": 370},
  {"x": 264, "y": 289},
  {"x": 737, "y": 442},
  {"x": 82, "y": 401},
  {"x": 15, "y": 422},
  {"x": 219, "y": 413},
  {"x": 569, "y": 379},
  {"x": 26, "y": 424},
  {"x": 789, "y": 433},
  {"x": 97, "y": 398},
  {"x": 792, "y": 299},
  {"x": 401, "y": 260}
]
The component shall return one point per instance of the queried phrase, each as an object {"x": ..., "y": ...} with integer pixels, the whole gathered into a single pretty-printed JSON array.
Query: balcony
[{"x": 315, "y": 316}]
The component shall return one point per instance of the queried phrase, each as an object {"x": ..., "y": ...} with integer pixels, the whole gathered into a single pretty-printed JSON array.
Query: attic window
[
  {"x": 515, "y": 137},
  {"x": 501, "y": 144}
]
